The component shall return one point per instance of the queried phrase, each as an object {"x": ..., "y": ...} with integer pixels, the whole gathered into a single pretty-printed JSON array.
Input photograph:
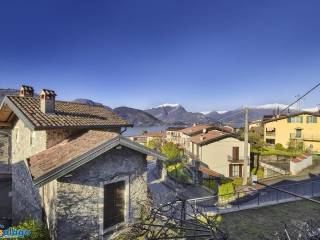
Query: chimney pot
[
  {"x": 26, "y": 91},
  {"x": 47, "y": 101}
]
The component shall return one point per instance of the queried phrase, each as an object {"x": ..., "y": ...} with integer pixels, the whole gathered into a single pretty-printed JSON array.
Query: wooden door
[{"x": 114, "y": 204}]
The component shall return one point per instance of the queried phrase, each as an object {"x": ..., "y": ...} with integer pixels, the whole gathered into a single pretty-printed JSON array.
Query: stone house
[{"x": 71, "y": 167}]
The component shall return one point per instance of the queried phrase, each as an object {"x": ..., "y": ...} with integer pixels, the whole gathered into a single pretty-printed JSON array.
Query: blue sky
[{"x": 203, "y": 54}]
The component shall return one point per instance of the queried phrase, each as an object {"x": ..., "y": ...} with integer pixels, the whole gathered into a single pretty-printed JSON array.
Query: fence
[{"x": 251, "y": 199}]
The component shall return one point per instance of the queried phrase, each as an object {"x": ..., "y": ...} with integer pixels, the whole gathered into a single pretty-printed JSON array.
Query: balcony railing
[
  {"x": 233, "y": 160},
  {"x": 311, "y": 137},
  {"x": 270, "y": 134}
]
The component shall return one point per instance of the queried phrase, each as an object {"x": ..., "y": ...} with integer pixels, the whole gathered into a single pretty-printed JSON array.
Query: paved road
[
  {"x": 163, "y": 192},
  {"x": 160, "y": 192}
]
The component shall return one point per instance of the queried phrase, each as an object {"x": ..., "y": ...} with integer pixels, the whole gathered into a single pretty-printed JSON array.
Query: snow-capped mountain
[
  {"x": 271, "y": 106},
  {"x": 222, "y": 111},
  {"x": 311, "y": 109},
  {"x": 169, "y": 105}
]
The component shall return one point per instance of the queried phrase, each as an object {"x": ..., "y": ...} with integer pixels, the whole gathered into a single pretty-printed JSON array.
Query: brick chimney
[
  {"x": 47, "y": 101},
  {"x": 26, "y": 91}
]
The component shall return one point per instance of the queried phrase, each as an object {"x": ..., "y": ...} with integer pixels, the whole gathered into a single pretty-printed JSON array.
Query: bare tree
[
  {"x": 175, "y": 220},
  {"x": 309, "y": 230}
]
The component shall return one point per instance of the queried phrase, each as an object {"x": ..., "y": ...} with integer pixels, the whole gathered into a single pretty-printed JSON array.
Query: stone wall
[
  {"x": 26, "y": 201},
  {"x": 26, "y": 142},
  {"x": 48, "y": 195},
  {"x": 80, "y": 193}
]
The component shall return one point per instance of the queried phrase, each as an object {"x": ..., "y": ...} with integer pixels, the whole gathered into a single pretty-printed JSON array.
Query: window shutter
[
  {"x": 240, "y": 170},
  {"x": 230, "y": 170},
  {"x": 235, "y": 153}
]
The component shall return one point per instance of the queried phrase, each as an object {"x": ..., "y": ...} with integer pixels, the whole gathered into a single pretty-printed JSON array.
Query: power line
[{"x": 301, "y": 97}]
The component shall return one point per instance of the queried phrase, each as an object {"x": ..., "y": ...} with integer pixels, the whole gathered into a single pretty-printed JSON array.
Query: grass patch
[
  {"x": 254, "y": 223},
  {"x": 267, "y": 151}
]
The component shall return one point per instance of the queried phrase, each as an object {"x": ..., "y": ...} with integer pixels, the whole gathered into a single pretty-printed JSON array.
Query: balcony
[
  {"x": 271, "y": 134},
  {"x": 235, "y": 161},
  {"x": 306, "y": 137}
]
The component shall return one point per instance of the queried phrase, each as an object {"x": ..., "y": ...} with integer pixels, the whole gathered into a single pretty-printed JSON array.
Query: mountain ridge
[{"x": 176, "y": 114}]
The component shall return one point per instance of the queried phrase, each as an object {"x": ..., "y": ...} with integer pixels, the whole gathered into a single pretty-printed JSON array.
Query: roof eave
[
  {"x": 92, "y": 154},
  {"x": 82, "y": 127},
  {"x": 218, "y": 139},
  {"x": 17, "y": 112}
]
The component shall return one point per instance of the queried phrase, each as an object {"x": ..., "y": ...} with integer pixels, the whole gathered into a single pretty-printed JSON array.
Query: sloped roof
[
  {"x": 316, "y": 114},
  {"x": 67, "y": 114},
  {"x": 210, "y": 172},
  {"x": 53, "y": 157},
  {"x": 197, "y": 129},
  {"x": 159, "y": 134},
  {"x": 71, "y": 153},
  {"x": 211, "y": 136}
]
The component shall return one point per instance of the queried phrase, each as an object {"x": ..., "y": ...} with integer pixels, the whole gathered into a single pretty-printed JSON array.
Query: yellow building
[{"x": 304, "y": 126}]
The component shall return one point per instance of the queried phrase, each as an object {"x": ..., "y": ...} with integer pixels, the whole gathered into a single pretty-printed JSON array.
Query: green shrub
[
  {"x": 226, "y": 191},
  {"x": 296, "y": 146},
  {"x": 211, "y": 184},
  {"x": 258, "y": 171},
  {"x": 178, "y": 171},
  {"x": 238, "y": 181},
  {"x": 280, "y": 147},
  {"x": 38, "y": 230},
  {"x": 171, "y": 150}
]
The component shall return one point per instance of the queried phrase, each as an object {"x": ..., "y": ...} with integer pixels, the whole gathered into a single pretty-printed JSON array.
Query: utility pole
[{"x": 246, "y": 140}]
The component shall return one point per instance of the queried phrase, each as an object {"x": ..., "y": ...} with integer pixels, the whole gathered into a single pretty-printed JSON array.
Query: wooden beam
[{"x": 5, "y": 124}]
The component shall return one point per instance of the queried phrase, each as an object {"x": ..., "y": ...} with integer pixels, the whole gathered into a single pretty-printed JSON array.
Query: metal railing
[
  {"x": 312, "y": 137},
  {"x": 271, "y": 134},
  {"x": 252, "y": 199}
]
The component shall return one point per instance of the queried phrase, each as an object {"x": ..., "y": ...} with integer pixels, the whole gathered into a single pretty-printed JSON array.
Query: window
[
  {"x": 235, "y": 170},
  {"x": 311, "y": 119},
  {"x": 270, "y": 141},
  {"x": 114, "y": 204},
  {"x": 235, "y": 153},
  {"x": 298, "y": 133},
  {"x": 296, "y": 119}
]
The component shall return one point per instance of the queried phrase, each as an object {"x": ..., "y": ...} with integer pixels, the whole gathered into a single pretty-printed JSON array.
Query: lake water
[{"x": 138, "y": 130}]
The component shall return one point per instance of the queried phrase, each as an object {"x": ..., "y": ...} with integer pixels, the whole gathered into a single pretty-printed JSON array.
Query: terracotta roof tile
[
  {"x": 210, "y": 172},
  {"x": 209, "y": 136},
  {"x": 197, "y": 129},
  {"x": 159, "y": 134},
  {"x": 51, "y": 158},
  {"x": 67, "y": 114}
]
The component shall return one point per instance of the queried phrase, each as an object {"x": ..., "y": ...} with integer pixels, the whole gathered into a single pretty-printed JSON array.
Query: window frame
[
  {"x": 235, "y": 169},
  {"x": 314, "y": 119},
  {"x": 289, "y": 120},
  {"x": 126, "y": 180}
]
